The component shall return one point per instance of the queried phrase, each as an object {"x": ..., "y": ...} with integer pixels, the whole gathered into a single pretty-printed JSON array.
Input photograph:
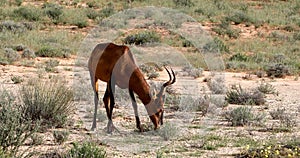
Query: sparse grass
[
  {"x": 49, "y": 102},
  {"x": 86, "y": 149},
  {"x": 168, "y": 131},
  {"x": 213, "y": 142}
]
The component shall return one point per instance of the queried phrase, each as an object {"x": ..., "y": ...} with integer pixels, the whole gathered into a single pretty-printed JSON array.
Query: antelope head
[{"x": 155, "y": 108}]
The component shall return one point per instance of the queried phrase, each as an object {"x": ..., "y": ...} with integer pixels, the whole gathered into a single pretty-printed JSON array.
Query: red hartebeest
[{"x": 115, "y": 65}]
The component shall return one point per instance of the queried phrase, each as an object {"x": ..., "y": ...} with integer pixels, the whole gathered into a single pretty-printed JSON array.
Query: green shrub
[
  {"x": 142, "y": 37},
  {"x": 50, "y": 102},
  {"x": 75, "y": 17},
  {"x": 11, "y": 55},
  {"x": 14, "y": 128},
  {"x": 108, "y": 10},
  {"x": 29, "y": 13},
  {"x": 84, "y": 150},
  {"x": 92, "y": 14},
  {"x": 240, "y": 116},
  {"x": 49, "y": 51},
  {"x": 53, "y": 11},
  {"x": 28, "y": 53},
  {"x": 239, "y": 17},
  {"x": 237, "y": 95}
]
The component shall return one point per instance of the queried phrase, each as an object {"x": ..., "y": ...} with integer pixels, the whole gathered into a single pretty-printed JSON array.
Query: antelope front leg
[
  {"x": 96, "y": 99},
  {"x": 136, "y": 114}
]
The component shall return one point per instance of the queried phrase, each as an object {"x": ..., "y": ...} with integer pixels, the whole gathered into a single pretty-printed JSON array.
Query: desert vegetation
[{"x": 251, "y": 109}]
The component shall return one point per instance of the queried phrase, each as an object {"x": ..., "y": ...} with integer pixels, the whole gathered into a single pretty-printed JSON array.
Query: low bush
[
  {"x": 168, "y": 131},
  {"x": 217, "y": 85},
  {"x": 266, "y": 88},
  {"x": 15, "y": 27},
  {"x": 277, "y": 70},
  {"x": 50, "y": 102},
  {"x": 53, "y": 11},
  {"x": 14, "y": 128},
  {"x": 142, "y": 37},
  {"x": 194, "y": 72},
  {"x": 86, "y": 149},
  {"x": 240, "y": 116},
  {"x": 11, "y": 55},
  {"x": 48, "y": 51},
  {"x": 28, "y": 53},
  {"x": 92, "y": 14},
  {"x": 108, "y": 10},
  {"x": 29, "y": 13},
  {"x": 278, "y": 113},
  {"x": 237, "y": 95},
  {"x": 75, "y": 17},
  {"x": 239, "y": 17}
]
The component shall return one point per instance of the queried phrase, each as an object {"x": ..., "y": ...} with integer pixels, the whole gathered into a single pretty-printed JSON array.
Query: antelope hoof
[{"x": 111, "y": 127}]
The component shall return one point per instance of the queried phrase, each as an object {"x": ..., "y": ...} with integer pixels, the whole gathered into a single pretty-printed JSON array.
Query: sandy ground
[{"x": 187, "y": 129}]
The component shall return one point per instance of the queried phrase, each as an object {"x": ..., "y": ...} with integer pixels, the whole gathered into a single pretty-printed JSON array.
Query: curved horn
[{"x": 170, "y": 80}]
